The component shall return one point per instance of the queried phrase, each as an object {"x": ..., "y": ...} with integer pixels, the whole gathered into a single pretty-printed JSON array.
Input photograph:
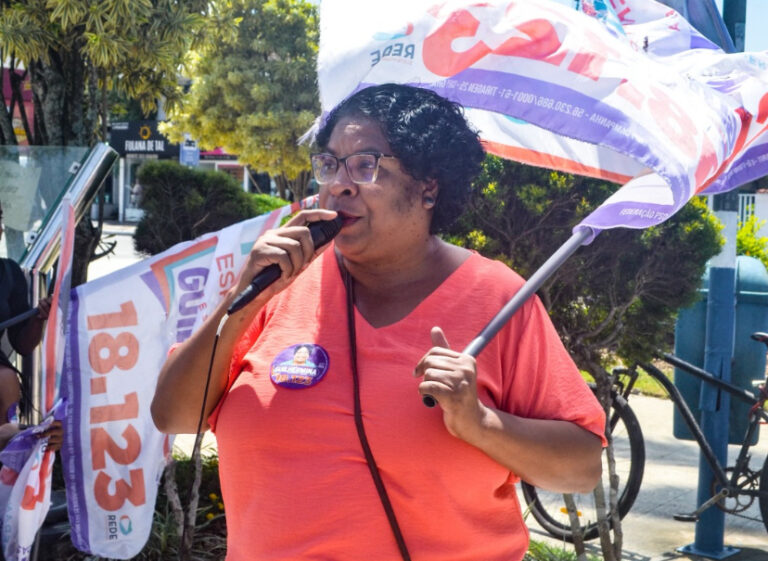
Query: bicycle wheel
[
  {"x": 548, "y": 508},
  {"x": 763, "y": 498}
]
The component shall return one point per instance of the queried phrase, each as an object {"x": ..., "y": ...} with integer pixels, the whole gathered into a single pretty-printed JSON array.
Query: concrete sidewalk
[
  {"x": 669, "y": 487},
  {"x": 123, "y": 254}
]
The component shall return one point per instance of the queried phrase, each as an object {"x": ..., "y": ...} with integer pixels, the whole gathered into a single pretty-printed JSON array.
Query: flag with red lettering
[
  {"x": 120, "y": 329},
  {"x": 633, "y": 96},
  {"x": 25, "y": 487},
  {"x": 53, "y": 349},
  {"x": 669, "y": 38}
]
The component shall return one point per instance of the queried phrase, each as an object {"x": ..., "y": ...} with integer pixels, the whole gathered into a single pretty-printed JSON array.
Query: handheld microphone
[
  {"x": 321, "y": 231},
  {"x": 428, "y": 400}
]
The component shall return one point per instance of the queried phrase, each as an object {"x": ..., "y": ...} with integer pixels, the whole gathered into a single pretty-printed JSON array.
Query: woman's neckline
[{"x": 387, "y": 313}]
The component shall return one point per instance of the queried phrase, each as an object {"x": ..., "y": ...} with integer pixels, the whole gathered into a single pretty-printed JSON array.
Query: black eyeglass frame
[{"x": 378, "y": 155}]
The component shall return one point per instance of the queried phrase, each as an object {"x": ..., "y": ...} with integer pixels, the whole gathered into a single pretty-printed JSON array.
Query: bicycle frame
[
  {"x": 756, "y": 414},
  {"x": 622, "y": 388}
]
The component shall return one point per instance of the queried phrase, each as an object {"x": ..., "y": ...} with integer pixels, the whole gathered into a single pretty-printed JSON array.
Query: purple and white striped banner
[{"x": 636, "y": 97}]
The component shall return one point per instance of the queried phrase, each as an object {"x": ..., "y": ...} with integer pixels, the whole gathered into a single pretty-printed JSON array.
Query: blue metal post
[
  {"x": 714, "y": 404},
  {"x": 721, "y": 304}
]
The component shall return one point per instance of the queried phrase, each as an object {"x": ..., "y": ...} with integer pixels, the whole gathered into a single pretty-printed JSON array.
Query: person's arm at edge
[
  {"x": 555, "y": 455},
  {"x": 25, "y": 336},
  {"x": 7, "y": 432},
  {"x": 178, "y": 397},
  {"x": 30, "y": 333}
]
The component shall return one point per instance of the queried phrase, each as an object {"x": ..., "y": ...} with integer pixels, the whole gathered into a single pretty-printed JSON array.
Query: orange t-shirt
[{"x": 294, "y": 478}]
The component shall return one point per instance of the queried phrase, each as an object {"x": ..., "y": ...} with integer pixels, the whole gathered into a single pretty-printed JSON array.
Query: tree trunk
[
  {"x": 282, "y": 186},
  {"x": 174, "y": 500},
  {"x": 17, "y": 84},
  {"x": 608, "y": 549},
  {"x": 190, "y": 518},
  {"x": 301, "y": 184},
  {"x": 48, "y": 85},
  {"x": 6, "y": 121},
  {"x": 87, "y": 238},
  {"x": 578, "y": 534},
  {"x": 104, "y": 109},
  {"x": 298, "y": 187},
  {"x": 59, "y": 85},
  {"x": 6, "y": 128},
  {"x": 613, "y": 502},
  {"x": 39, "y": 125},
  {"x": 94, "y": 97},
  {"x": 608, "y": 518}
]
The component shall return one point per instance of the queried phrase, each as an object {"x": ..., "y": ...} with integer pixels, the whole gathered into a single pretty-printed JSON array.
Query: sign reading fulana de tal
[{"x": 141, "y": 137}]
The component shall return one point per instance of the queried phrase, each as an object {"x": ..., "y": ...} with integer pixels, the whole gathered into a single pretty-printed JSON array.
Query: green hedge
[{"x": 182, "y": 203}]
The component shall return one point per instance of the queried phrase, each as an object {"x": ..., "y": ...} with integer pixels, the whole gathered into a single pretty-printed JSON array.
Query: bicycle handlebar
[{"x": 740, "y": 393}]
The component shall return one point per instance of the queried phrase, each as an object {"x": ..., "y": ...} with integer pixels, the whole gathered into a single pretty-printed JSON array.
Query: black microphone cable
[
  {"x": 322, "y": 232},
  {"x": 199, "y": 436}
]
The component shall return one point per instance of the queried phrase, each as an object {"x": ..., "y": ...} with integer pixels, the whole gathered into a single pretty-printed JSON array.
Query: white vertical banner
[{"x": 120, "y": 330}]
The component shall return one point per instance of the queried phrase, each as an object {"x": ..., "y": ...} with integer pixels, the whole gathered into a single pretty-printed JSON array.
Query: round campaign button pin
[{"x": 299, "y": 366}]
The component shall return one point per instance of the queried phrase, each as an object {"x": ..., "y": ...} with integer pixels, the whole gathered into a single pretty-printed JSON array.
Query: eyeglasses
[{"x": 361, "y": 168}]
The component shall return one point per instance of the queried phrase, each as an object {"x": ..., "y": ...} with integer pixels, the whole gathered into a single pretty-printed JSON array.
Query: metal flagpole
[{"x": 528, "y": 289}]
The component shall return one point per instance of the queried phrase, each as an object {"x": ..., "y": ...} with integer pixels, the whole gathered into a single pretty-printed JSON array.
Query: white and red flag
[
  {"x": 633, "y": 95},
  {"x": 27, "y": 464}
]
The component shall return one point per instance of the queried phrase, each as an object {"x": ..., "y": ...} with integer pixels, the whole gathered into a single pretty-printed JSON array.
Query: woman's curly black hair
[{"x": 427, "y": 133}]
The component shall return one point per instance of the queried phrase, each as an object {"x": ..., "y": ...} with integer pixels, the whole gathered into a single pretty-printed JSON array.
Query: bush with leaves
[
  {"x": 189, "y": 518},
  {"x": 182, "y": 203},
  {"x": 617, "y": 296},
  {"x": 749, "y": 243}
]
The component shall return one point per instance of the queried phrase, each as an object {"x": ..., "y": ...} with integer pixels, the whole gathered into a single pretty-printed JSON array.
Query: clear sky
[{"x": 755, "y": 36}]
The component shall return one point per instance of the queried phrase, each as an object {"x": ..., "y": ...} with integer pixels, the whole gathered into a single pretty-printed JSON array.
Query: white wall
[{"x": 760, "y": 210}]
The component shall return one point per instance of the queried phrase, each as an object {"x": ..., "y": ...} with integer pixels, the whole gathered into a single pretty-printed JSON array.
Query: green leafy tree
[
  {"x": 619, "y": 295},
  {"x": 616, "y": 297},
  {"x": 255, "y": 95},
  {"x": 182, "y": 203},
  {"x": 77, "y": 52},
  {"x": 749, "y": 243}
]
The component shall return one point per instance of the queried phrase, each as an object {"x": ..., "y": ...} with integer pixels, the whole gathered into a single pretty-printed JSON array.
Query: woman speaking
[{"x": 349, "y": 464}]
